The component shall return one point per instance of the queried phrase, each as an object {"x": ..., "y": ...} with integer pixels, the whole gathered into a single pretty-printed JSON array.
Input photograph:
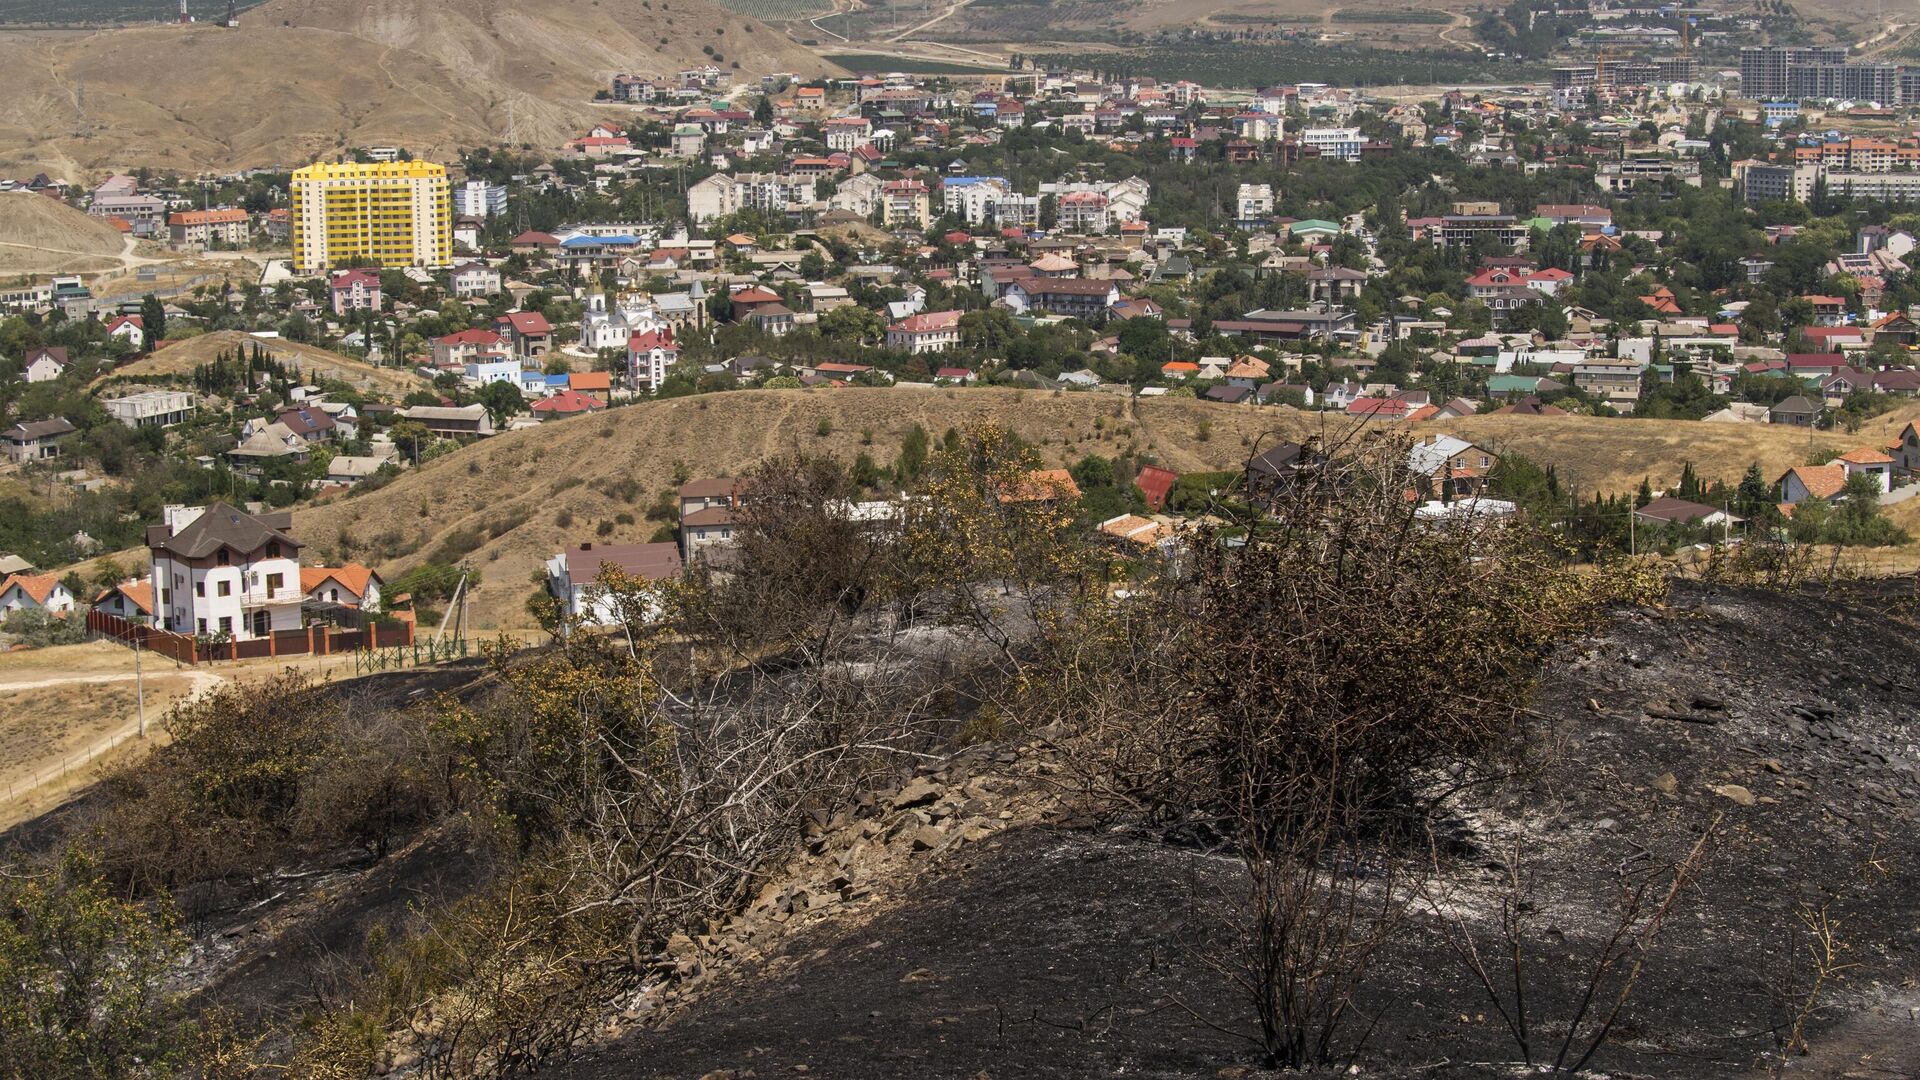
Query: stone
[
  {"x": 1740, "y": 796},
  {"x": 928, "y": 837},
  {"x": 918, "y": 792},
  {"x": 1666, "y": 784}
]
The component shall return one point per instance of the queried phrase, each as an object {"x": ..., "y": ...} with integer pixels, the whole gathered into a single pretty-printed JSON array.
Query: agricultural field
[
  {"x": 111, "y": 12},
  {"x": 914, "y": 65},
  {"x": 772, "y": 11},
  {"x": 1411, "y": 16},
  {"x": 1264, "y": 63}
]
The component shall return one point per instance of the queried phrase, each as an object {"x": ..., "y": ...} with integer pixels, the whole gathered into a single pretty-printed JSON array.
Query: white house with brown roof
[
  {"x": 219, "y": 570},
  {"x": 572, "y": 576}
]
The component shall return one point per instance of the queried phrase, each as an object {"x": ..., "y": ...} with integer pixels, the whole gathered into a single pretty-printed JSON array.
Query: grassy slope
[
  {"x": 305, "y": 78},
  {"x": 514, "y": 483},
  {"x": 185, "y": 356},
  {"x": 39, "y": 235}
]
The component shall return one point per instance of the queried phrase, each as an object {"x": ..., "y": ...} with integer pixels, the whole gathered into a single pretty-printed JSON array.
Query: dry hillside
[
  {"x": 508, "y": 493},
  {"x": 39, "y": 235},
  {"x": 189, "y": 354},
  {"x": 301, "y": 79}
]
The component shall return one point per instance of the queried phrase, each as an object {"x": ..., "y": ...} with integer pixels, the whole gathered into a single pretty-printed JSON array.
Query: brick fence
[{"x": 313, "y": 640}]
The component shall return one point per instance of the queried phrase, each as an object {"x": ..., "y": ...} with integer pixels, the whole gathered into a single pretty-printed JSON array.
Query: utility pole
[{"x": 139, "y": 686}]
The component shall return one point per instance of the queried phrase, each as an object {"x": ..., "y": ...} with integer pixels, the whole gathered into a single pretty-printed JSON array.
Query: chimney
[{"x": 588, "y": 546}]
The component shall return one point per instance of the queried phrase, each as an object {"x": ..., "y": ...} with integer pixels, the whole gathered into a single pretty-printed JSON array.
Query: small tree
[{"x": 153, "y": 319}]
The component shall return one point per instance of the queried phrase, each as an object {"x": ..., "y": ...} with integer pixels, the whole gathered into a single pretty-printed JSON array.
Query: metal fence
[{"x": 369, "y": 661}]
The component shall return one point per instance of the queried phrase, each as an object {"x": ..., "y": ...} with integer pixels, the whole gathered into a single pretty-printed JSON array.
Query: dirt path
[
  {"x": 910, "y": 31},
  {"x": 28, "y": 795}
]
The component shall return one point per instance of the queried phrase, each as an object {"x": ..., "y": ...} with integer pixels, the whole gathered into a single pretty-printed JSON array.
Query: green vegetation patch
[
  {"x": 909, "y": 64},
  {"x": 1265, "y": 63},
  {"x": 1403, "y": 15},
  {"x": 104, "y": 12}
]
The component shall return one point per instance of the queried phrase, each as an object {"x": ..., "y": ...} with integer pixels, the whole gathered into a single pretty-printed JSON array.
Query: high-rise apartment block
[{"x": 394, "y": 213}]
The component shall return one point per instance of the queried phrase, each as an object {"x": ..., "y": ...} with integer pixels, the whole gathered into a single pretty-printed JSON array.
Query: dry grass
[
  {"x": 506, "y": 494},
  {"x": 185, "y": 356},
  {"x": 305, "y": 78},
  {"x": 39, "y": 235}
]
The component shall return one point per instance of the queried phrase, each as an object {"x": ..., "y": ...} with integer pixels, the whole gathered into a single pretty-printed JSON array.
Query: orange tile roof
[
  {"x": 354, "y": 576},
  {"x": 140, "y": 592},
  {"x": 1821, "y": 481},
  {"x": 38, "y": 587},
  {"x": 1866, "y": 456},
  {"x": 1043, "y": 484}
]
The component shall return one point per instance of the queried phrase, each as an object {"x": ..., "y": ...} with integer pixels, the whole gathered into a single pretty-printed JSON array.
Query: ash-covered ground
[{"x": 1784, "y": 723}]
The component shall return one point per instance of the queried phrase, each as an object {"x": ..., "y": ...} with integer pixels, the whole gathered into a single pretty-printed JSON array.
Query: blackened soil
[{"x": 1056, "y": 953}]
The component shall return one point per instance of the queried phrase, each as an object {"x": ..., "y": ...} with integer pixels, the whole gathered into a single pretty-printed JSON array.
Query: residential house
[
  {"x": 220, "y": 571},
  {"x": 203, "y": 228},
  {"x": 1796, "y": 411},
  {"x": 130, "y": 600},
  {"x": 354, "y": 290},
  {"x": 1451, "y": 466},
  {"x": 1079, "y": 298},
  {"x": 311, "y": 424},
  {"x": 573, "y": 573},
  {"x": 1616, "y": 382},
  {"x": 331, "y": 588},
  {"x": 152, "y": 408},
  {"x": 474, "y": 279},
  {"x": 35, "y": 440},
  {"x": 1155, "y": 484},
  {"x": 649, "y": 356},
  {"x": 1271, "y": 472},
  {"x": 457, "y": 350},
  {"x": 927, "y": 332},
  {"x": 1803, "y": 482},
  {"x": 44, "y": 364},
  {"x": 564, "y": 404},
  {"x": 131, "y": 329},
  {"x": 527, "y": 334},
  {"x": 34, "y": 592},
  {"x": 1875, "y": 463},
  {"x": 1905, "y": 450},
  {"x": 451, "y": 421},
  {"x": 1668, "y": 510}
]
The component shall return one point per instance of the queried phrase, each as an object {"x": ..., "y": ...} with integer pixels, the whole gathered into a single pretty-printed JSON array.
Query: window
[
  {"x": 273, "y": 550},
  {"x": 226, "y": 625},
  {"x": 274, "y": 583},
  {"x": 200, "y": 588},
  {"x": 203, "y": 626},
  {"x": 225, "y": 558},
  {"x": 224, "y": 588}
]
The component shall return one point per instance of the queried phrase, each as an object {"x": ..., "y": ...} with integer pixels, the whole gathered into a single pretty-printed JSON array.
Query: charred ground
[{"x": 1061, "y": 949}]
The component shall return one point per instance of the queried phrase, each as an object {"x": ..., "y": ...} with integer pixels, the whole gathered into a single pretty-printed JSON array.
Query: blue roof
[
  {"x": 556, "y": 380},
  {"x": 588, "y": 241},
  {"x": 966, "y": 181}
]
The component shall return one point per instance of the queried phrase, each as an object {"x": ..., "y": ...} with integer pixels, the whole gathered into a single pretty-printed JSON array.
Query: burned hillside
[
  {"x": 1068, "y": 947},
  {"x": 968, "y": 792}
]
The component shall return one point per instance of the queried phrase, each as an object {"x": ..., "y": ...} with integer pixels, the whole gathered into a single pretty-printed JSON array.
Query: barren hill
[
  {"x": 499, "y": 503},
  {"x": 301, "y": 79},
  {"x": 39, "y": 235},
  {"x": 189, "y": 354}
]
